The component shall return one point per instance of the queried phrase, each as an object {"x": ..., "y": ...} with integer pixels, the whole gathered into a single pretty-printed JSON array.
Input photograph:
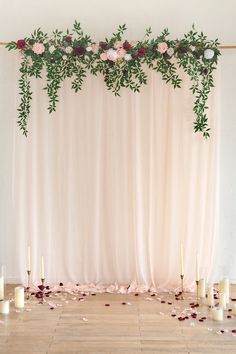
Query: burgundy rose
[
  {"x": 141, "y": 52},
  {"x": 41, "y": 287},
  {"x": 79, "y": 51},
  {"x": 21, "y": 43},
  {"x": 127, "y": 46},
  {"x": 68, "y": 39},
  {"x": 103, "y": 45},
  {"x": 182, "y": 50}
]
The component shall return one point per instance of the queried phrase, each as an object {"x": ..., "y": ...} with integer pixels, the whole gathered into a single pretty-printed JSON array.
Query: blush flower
[
  {"x": 103, "y": 56},
  {"x": 170, "y": 51},
  {"x": 38, "y": 48},
  {"x": 89, "y": 48},
  {"x": 127, "y": 57},
  {"x": 118, "y": 45},
  {"x": 95, "y": 48},
  {"x": 121, "y": 52},
  {"x": 68, "y": 50},
  {"x": 112, "y": 54},
  {"x": 162, "y": 47}
]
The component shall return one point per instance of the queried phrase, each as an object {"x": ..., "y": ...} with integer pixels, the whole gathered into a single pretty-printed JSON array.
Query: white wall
[{"x": 100, "y": 18}]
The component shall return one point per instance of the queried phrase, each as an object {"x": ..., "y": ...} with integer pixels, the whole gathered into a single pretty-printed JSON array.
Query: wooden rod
[{"x": 220, "y": 46}]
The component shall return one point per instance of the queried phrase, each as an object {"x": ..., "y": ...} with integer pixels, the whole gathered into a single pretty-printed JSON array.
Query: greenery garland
[{"x": 73, "y": 54}]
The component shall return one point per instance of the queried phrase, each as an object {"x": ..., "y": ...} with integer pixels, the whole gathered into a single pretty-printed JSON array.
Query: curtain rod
[{"x": 219, "y": 46}]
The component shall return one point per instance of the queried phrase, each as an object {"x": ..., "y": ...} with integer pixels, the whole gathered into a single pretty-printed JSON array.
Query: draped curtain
[{"x": 107, "y": 188}]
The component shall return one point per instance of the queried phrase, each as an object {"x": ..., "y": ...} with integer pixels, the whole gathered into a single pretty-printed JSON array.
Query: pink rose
[
  {"x": 118, "y": 45},
  {"x": 121, "y": 52},
  {"x": 95, "y": 48},
  {"x": 38, "y": 48},
  {"x": 89, "y": 48},
  {"x": 162, "y": 47},
  {"x": 103, "y": 56}
]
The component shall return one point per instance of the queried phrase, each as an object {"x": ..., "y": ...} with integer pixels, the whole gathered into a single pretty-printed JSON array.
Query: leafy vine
[{"x": 72, "y": 54}]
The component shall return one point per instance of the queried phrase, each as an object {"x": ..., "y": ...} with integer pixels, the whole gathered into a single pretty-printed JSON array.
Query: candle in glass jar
[
  {"x": 5, "y": 307},
  {"x": 210, "y": 296},
  {"x": 217, "y": 314},
  {"x": 42, "y": 268},
  {"x": 29, "y": 260},
  {"x": 222, "y": 301},
  {"x": 19, "y": 297},
  {"x": 201, "y": 288}
]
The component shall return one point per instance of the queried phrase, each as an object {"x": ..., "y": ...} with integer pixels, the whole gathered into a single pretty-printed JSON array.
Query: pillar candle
[
  {"x": 224, "y": 288},
  {"x": 197, "y": 269},
  {"x": 29, "y": 260},
  {"x": 5, "y": 307},
  {"x": 217, "y": 314},
  {"x": 210, "y": 296},
  {"x": 1, "y": 287},
  {"x": 19, "y": 297},
  {"x": 222, "y": 301},
  {"x": 201, "y": 288},
  {"x": 234, "y": 309},
  {"x": 42, "y": 268},
  {"x": 181, "y": 260}
]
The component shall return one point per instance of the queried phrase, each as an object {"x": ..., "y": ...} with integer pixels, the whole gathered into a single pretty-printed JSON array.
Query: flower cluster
[{"x": 122, "y": 63}]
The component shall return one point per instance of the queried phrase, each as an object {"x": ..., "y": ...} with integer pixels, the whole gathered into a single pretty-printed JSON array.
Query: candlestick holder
[
  {"x": 182, "y": 286},
  {"x": 197, "y": 284},
  {"x": 28, "y": 285}
]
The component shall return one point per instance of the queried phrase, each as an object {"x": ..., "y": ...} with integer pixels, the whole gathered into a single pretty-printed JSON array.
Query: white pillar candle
[
  {"x": 222, "y": 301},
  {"x": 234, "y": 309},
  {"x": 181, "y": 260},
  {"x": 197, "y": 268},
  {"x": 217, "y": 314},
  {"x": 201, "y": 288},
  {"x": 1, "y": 287},
  {"x": 224, "y": 288},
  {"x": 5, "y": 307},
  {"x": 19, "y": 297},
  {"x": 42, "y": 268},
  {"x": 29, "y": 260},
  {"x": 210, "y": 296}
]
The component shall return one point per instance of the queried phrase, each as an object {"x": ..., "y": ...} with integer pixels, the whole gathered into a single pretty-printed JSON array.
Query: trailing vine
[{"x": 122, "y": 63}]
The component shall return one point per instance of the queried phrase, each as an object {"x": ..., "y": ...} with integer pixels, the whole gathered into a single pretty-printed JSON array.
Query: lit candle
[
  {"x": 234, "y": 309},
  {"x": 5, "y": 307},
  {"x": 222, "y": 301},
  {"x": 201, "y": 288},
  {"x": 29, "y": 260},
  {"x": 1, "y": 287},
  {"x": 197, "y": 268},
  {"x": 181, "y": 260},
  {"x": 210, "y": 296},
  {"x": 19, "y": 297},
  {"x": 217, "y": 314},
  {"x": 42, "y": 268}
]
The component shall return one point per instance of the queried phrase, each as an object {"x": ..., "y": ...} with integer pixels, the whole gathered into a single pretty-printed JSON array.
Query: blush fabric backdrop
[{"x": 108, "y": 187}]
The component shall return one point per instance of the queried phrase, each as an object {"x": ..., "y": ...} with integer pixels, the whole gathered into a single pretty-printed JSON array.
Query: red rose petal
[
  {"x": 51, "y": 308},
  {"x": 204, "y": 318},
  {"x": 229, "y": 310},
  {"x": 222, "y": 331},
  {"x": 136, "y": 294},
  {"x": 107, "y": 305},
  {"x": 163, "y": 302},
  {"x": 200, "y": 320},
  {"x": 123, "y": 303},
  {"x": 173, "y": 314},
  {"x": 233, "y": 330},
  {"x": 229, "y": 316},
  {"x": 169, "y": 303},
  {"x": 61, "y": 284}
]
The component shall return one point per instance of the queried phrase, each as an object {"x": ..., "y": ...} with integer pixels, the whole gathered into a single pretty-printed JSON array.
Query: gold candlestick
[
  {"x": 28, "y": 285},
  {"x": 197, "y": 284},
  {"x": 182, "y": 286}
]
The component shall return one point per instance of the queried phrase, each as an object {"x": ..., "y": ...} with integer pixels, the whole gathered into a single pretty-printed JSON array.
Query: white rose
[
  {"x": 209, "y": 53},
  {"x": 68, "y": 50},
  {"x": 52, "y": 49},
  {"x": 127, "y": 57},
  {"x": 170, "y": 51},
  {"x": 64, "y": 57},
  {"x": 112, "y": 55}
]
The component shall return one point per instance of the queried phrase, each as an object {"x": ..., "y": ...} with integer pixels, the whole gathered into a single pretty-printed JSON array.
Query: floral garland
[{"x": 73, "y": 54}]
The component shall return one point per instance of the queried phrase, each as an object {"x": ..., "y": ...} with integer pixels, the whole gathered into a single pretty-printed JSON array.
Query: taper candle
[
  {"x": 29, "y": 260},
  {"x": 1, "y": 287},
  {"x": 5, "y": 307},
  {"x": 19, "y": 297},
  {"x": 42, "y": 268},
  {"x": 181, "y": 260},
  {"x": 217, "y": 314},
  {"x": 197, "y": 268}
]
